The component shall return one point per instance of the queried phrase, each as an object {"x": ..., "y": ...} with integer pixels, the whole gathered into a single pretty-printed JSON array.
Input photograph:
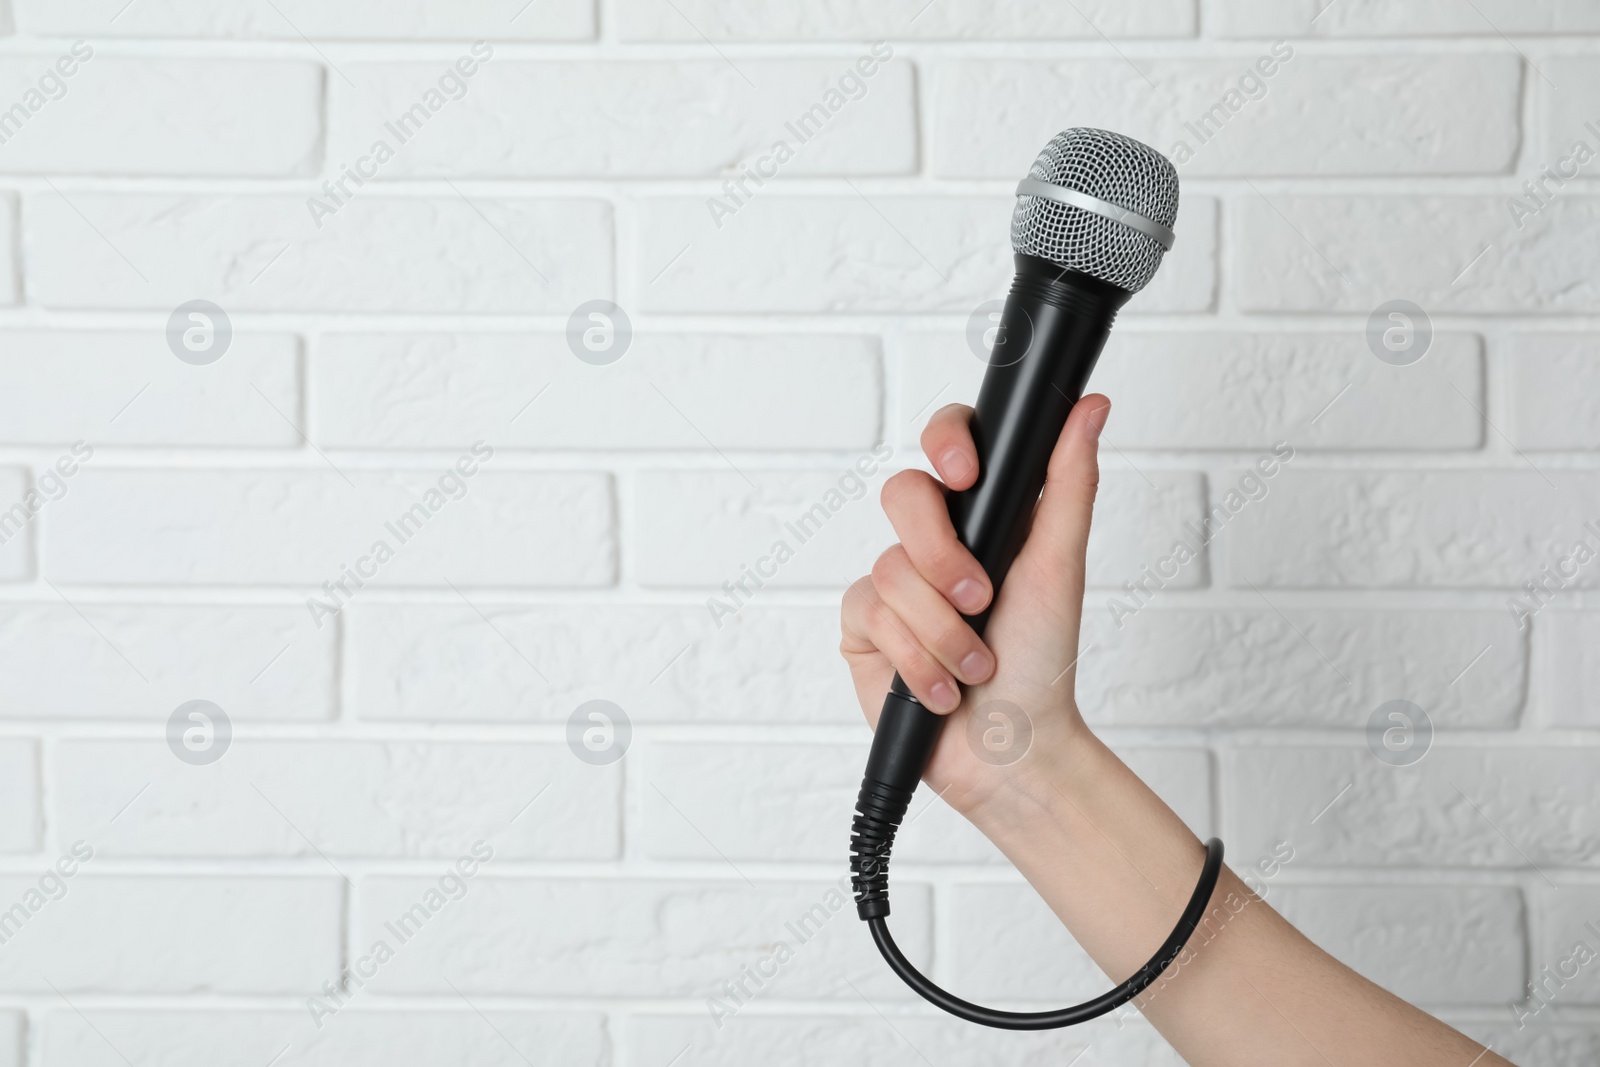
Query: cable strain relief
[{"x": 880, "y": 808}]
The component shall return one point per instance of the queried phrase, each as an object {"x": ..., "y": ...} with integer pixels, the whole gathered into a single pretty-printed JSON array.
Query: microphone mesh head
[{"x": 1113, "y": 168}]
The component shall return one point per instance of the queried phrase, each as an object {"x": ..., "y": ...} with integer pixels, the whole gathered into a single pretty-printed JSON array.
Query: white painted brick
[
  {"x": 347, "y": 798},
  {"x": 1571, "y": 669},
  {"x": 784, "y": 802},
  {"x": 867, "y": 1040},
  {"x": 377, "y": 253},
  {"x": 1239, "y": 390},
  {"x": 1402, "y": 114},
  {"x": 1553, "y": 392},
  {"x": 1256, "y": 668},
  {"x": 18, "y": 529},
  {"x": 297, "y": 20},
  {"x": 659, "y": 663},
  {"x": 871, "y": 252},
  {"x": 752, "y": 391},
  {"x": 300, "y": 527},
  {"x": 10, "y": 277},
  {"x": 1569, "y": 117},
  {"x": 961, "y": 20},
  {"x": 1425, "y": 944},
  {"x": 722, "y": 116},
  {"x": 1375, "y": 18},
  {"x": 186, "y": 934},
  {"x": 1353, "y": 253},
  {"x": 699, "y": 528},
  {"x": 118, "y": 661},
  {"x": 167, "y": 116},
  {"x": 1411, "y": 529},
  {"x": 124, "y": 388},
  {"x": 13, "y": 1039},
  {"x": 1501, "y": 807},
  {"x": 352, "y": 1038},
  {"x": 1562, "y": 974},
  {"x": 19, "y": 799},
  {"x": 627, "y": 938}
]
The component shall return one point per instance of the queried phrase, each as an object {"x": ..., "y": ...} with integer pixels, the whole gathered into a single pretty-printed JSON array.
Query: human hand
[{"x": 907, "y": 614}]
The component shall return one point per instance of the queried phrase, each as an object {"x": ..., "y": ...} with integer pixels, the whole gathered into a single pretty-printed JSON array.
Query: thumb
[{"x": 1059, "y": 538}]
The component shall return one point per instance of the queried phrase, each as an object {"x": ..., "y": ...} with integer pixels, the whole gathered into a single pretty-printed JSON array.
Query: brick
[
  {"x": 445, "y": 663},
  {"x": 1253, "y": 667},
  {"x": 194, "y": 934},
  {"x": 909, "y": 1041},
  {"x": 679, "y": 391},
  {"x": 627, "y": 938},
  {"x": 20, "y": 504},
  {"x": 352, "y": 1038},
  {"x": 1195, "y": 390},
  {"x": 1221, "y": 116},
  {"x": 1483, "y": 18},
  {"x": 19, "y": 801},
  {"x": 1363, "y": 529},
  {"x": 1569, "y": 118},
  {"x": 13, "y": 1024},
  {"x": 1457, "y": 807},
  {"x": 1562, "y": 973},
  {"x": 962, "y": 20},
  {"x": 1552, "y": 389},
  {"x": 117, "y": 116},
  {"x": 9, "y": 229},
  {"x": 300, "y": 528},
  {"x": 298, "y": 20},
  {"x": 126, "y": 388},
  {"x": 258, "y": 663},
  {"x": 1425, "y": 944},
  {"x": 1571, "y": 677},
  {"x": 1444, "y": 253},
  {"x": 705, "y": 526},
  {"x": 412, "y": 800},
  {"x": 870, "y": 252},
  {"x": 268, "y": 253},
  {"x": 723, "y": 116}
]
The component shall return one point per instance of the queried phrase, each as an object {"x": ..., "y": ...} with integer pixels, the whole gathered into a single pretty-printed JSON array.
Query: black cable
[{"x": 879, "y": 810}]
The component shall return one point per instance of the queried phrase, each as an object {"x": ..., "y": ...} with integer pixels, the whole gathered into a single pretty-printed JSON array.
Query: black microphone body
[{"x": 1052, "y": 329}]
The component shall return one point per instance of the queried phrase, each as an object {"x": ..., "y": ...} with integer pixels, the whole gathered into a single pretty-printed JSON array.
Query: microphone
[{"x": 1092, "y": 221}]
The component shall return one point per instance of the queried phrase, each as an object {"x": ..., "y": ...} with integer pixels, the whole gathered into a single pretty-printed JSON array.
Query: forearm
[{"x": 1117, "y": 866}]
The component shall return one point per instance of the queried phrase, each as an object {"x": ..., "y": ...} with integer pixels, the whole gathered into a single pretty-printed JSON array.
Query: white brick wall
[{"x": 808, "y": 326}]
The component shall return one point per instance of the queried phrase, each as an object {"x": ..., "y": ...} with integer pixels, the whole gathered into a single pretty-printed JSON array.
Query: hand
[{"x": 907, "y": 614}]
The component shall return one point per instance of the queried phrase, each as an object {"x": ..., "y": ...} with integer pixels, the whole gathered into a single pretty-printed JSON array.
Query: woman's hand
[{"x": 907, "y": 614}]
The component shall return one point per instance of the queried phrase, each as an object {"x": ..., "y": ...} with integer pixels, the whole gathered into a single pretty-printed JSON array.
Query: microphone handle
[{"x": 1052, "y": 330}]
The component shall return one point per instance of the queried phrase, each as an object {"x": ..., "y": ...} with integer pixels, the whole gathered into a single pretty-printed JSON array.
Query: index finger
[{"x": 947, "y": 442}]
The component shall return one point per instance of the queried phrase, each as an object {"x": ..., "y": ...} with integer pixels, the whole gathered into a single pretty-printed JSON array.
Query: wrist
[{"x": 1059, "y": 768}]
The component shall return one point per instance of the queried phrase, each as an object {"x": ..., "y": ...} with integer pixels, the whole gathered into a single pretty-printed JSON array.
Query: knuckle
[{"x": 890, "y": 566}]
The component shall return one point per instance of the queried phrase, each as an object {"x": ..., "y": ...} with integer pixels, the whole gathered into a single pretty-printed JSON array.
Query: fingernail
[
  {"x": 975, "y": 666},
  {"x": 1097, "y": 420},
  {"x": 954, "y": 464},
  {"x": 944, "y": 698},
  {"x": 968, "y": 596}
]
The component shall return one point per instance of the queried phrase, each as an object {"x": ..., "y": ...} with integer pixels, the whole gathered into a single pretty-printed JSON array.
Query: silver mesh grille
[{"x": 1116, "y": 169}]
